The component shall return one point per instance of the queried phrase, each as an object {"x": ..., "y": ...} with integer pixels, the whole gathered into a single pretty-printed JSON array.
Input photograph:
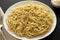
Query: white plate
[{"x": 23, "y": 38}]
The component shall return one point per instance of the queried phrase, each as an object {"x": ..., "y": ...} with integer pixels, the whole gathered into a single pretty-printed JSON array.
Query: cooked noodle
[{"x": 29, "y": 20}]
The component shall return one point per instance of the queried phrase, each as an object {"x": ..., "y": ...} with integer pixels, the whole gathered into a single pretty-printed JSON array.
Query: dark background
[{"x": 5, "y": 4}]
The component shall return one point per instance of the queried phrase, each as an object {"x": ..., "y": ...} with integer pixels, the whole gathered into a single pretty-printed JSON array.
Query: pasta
[{"x": 29, "y": 20}]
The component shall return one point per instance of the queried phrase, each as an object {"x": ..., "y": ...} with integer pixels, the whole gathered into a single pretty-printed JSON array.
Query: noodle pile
[{"x": 29, "y": 20}]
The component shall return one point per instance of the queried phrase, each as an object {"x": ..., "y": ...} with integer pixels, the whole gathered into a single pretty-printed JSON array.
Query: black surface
[{"x": 5, "y": 4}]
